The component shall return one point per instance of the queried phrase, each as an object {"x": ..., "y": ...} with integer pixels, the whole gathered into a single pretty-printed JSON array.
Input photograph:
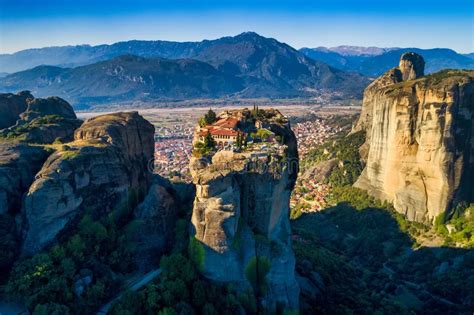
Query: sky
[{"x": 299, "y": 23}]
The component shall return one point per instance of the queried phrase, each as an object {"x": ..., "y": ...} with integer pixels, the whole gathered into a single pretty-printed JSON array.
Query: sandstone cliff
[
  {"x": 241, "y": 230},
  {"x": 420, "y": 139},
  {"x": 98, "y": 171}
]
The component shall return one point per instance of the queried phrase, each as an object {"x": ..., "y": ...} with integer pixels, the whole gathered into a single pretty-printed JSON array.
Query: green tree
[
  {"x": 210, "y": 117},
  {"x": 209, "y": 142},
  {"x": 202, "y": 121},
  {"x": 76, "y": 247},
  {"x": 238, "y": 141}
]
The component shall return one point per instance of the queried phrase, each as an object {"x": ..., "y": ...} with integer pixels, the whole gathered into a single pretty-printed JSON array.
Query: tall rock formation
[
  {"x": 105, "y": 165},
  {"x": 241, "y": 230},
  {"x": 412, "y": 66},
  {"x": 26, "y": 121},
  {"x": 420, "y": 139}
]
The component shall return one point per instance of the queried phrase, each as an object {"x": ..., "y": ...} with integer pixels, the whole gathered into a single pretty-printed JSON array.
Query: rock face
[
  {"x": 157, "y": 215},
  {"x": 420, "y": 139},
  {"x": 241, "y": 230},
  {"x": 11, "y": 106},
  {"x": 129, "y": 132},
  {"x": 102, "y": 169},
  {"x": 18, "y": 165}
]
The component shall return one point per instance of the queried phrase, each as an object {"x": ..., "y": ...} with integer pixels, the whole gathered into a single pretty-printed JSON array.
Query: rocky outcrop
[
  {"x": 37, "y": 120},
  {"x": 420, "y": 139},
  {"x": 241, "y": 229},
  {"x": 11, "y": 106},
  {"x": 51, "y": 106},
  {"x": 101, "y": 170},
  {"x": 130, "y": 133},
  {"x": 412, "y": 66}
]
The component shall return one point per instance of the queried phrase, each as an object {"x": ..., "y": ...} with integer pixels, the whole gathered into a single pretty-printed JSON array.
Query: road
[{"x": 133, "y": 286}]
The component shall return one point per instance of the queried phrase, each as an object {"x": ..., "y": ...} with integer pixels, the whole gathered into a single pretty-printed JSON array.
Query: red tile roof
[{"x": 229, "y": 122}]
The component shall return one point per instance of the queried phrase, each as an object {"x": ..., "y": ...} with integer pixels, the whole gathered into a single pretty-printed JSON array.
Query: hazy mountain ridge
[
  {"x": 376, "y": 64},
  {"x": 126, "y": 78},
  {"x": 247, "y": 65},
  {"x": 347, "y": 50}
]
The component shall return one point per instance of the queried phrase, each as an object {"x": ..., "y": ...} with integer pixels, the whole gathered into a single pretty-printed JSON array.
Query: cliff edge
[{"x": 420, "y": 139}]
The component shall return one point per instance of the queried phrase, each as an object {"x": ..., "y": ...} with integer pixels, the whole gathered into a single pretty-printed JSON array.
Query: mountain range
[
  {"x": 374, "y": 61},
  {"x": 247, "y": 65},
  {"x": 346, "y": 50},
  {"x": 244, "y": 66}
]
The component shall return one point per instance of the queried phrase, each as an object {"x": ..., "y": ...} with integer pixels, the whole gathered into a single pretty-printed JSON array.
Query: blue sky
[{"x": 402, "y": 23}]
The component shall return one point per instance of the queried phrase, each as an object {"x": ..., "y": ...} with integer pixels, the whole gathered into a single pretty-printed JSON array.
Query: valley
[{"x": 237, "y": 175}]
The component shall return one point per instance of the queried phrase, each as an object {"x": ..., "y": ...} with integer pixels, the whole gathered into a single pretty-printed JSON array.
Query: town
[
  {"x": 309, "y": 194},
  {"x": 173, "y": 147}
]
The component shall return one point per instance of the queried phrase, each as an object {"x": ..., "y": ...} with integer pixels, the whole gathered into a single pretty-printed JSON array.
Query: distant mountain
[
  {"x": 345, "y": 50},
  {"x": 73, "y": 56},
  {"x": 376, "y": 64},
  {"x": 471, "y": 55},
  {"x": 247, "y": 65},
  {"x": 126, "y": 78}
]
